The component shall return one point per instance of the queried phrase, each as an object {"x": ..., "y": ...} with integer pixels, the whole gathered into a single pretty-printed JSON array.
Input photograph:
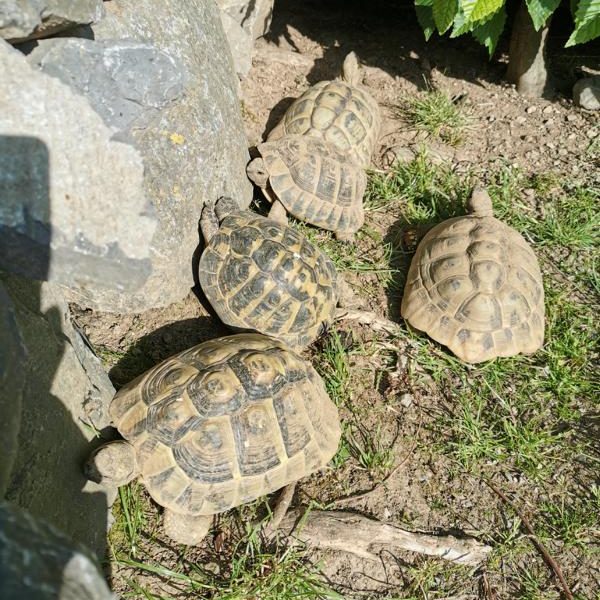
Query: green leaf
[
  {"x": 587, "y": 22},
  {"x": 443, "y": 13},
  {"x": 425, "y": 18},
  {"x": 423, "y": 2},
  {"x": 540, "y": 10},
  {"x": 476, "y": 10},
  {"x": 461, "y": 25},
  {"x": 489, "y": 32}
]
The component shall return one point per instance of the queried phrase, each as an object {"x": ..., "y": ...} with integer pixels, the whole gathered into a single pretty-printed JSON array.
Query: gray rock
[
  {"x": 73, "y": 208},
  {"x": 126, "y": 82},
  {"x": 254, "y": 16},
  {"x": 195, "y": 149},
  {"x": 240, "y": 44},
  {"x": 22, "y": 20},
  {"x": 12, "y": 379},
  {"x": 63, "y": 400},
  {"x": 39, "y": 562},
  {"x": 586, "y": 93}
]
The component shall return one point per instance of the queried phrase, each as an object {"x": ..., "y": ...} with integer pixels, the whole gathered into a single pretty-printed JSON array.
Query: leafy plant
[{"x": 485, "y": 19}]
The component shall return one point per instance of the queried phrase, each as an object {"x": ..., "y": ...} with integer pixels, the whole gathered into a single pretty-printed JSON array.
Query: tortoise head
[
  {"x": 257, "y": 172},
  {"x": 112, "y": 465}
]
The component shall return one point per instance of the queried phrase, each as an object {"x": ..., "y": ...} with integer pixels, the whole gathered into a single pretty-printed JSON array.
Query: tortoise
[
  {"x": 217, "y": 426},
  {"x": 312, "y": 181},
  {"x": 339, "y": 112},
  {"x": 260, "y": 275},
  {"x": 475, "y": 286}
]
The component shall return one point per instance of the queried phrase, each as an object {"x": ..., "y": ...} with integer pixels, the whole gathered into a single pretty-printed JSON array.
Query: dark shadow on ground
[{"x": 386, "y": 34}]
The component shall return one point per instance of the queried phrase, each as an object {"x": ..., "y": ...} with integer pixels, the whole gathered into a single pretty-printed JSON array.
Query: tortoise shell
[
  {"x": 263, "y": 276},
  {"x": 475, "y": 286},
  {"x": 342, "y": 114},
  {"x": 315, "y": 182},
  {"x": 225, "y": 422}
]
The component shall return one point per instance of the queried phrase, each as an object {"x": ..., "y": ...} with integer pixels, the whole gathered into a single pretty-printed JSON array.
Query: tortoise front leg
[
  {"x": 278, "y": 212},
  {"x": 186, "y": 529},
  {"x": 281, "y": 507}
]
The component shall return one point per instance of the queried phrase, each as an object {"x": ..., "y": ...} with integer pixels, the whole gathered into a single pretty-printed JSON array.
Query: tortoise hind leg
[
  {"x": 186, "y": 529},
  {"x": 281, "y": 507},
  {"x": 278, "y": 212}
]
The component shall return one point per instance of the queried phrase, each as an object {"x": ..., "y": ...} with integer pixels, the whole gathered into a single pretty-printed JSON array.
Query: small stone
[
  {"x": 592, "y": 133},
  {"x": 550, "y": 145},
  {"x": 571, "y": 137},
  {"x": 491, "y": 118},
  {"x": 406, "y": 400},
  {"x": 563, "y": 152},
  {"x": 520, "y": 120},
  {"x": 571, "y": 118},
  {"x": 548, "y": 110},
  {"x": 586, "y": 93},
  {"x": 530, "y": 109},
  {"x": 548, "y": 122}
]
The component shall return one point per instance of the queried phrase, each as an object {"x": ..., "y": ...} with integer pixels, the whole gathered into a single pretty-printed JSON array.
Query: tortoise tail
[{"x": 351, "y": 70}]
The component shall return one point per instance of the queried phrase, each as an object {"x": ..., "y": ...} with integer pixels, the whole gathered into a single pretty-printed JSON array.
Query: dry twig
[{"x": 554, "y": 566}]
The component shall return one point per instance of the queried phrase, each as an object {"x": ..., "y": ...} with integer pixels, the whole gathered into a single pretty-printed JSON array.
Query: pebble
[
  {"x": 571, "y": 118},
  {"x": 548, "y": 121},
  {"x": 406, "y": 400},
  {"x": 571, "y": 137},
  {"x": 548, "y": 110},
  {"x": 563, "y": 152},
  {"x": 530, "y": 109},
  {"x": 520, "y": 120},
  {"x": 592, "y": 133}
]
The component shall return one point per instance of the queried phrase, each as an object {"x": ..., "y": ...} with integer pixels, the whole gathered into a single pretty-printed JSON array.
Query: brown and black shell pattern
[
  {"x": 260, "y": 275},
  {"x": 475, "y": 286},
  {"x": 225, "y": 422},
  {"x": 343, "y": 115},
  {"x": 315, "y": 182}
]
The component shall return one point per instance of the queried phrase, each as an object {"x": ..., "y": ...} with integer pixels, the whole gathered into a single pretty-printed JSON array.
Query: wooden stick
[
  {"x": 365, "y": 537},
  {"x": 554, "y": 566}
]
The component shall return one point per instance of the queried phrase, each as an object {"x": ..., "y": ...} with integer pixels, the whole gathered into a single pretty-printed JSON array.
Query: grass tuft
[{"x": 436, "y": 113}]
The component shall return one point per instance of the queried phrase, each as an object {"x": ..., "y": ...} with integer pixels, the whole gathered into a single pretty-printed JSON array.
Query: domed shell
[
  {"x": 225, "y": 422},
  {"x": 316, "y": 183},
  {"x": 341, "y": 114},
  {"x": 263, "y": 276},
  {"x": 475, "y": 286}
]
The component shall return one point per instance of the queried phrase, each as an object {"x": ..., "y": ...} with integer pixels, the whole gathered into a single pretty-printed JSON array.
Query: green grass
[
  {"x": 436, "y": 113},
  {"x": 252, "y": 568}
]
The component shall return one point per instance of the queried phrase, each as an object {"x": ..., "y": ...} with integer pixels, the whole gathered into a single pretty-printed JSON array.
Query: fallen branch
[
  {"x": 554, "y": 566},
  {"x": 365, "y": 537}
]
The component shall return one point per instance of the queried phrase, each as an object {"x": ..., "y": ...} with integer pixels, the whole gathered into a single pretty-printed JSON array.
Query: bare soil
[{"x": 425, "y": 491}]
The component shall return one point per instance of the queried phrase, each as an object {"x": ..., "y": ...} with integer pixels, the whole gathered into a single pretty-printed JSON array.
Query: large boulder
[
  {"x": 73, "y": 208},
  {"x": 53, "y": 411},
  {"x": 39, "y": 562},
  {"x": 254, "y": 16},
  {"x": 193, "y": 146},
  {"x": 12, "y": 380},
  {"x": 244, "y": 21},
  {"x": 22, "y": 20}
]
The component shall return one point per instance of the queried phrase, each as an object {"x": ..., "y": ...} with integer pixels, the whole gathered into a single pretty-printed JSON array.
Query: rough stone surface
[
  {"x": 586, "y": 93},
  {"x": 73, "y": 209},
  {"x": 39, "y": 562},
  {"x": 254, "y": 16},
  {"x": 195, "y": 149},
  {"x": 22, "y": 20},
  {"x": 240, "y": 44},
  {"x": 12, "y": 379},
  {"x": 65, "y": 391},
  {"x": 126, "y": 82}
]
